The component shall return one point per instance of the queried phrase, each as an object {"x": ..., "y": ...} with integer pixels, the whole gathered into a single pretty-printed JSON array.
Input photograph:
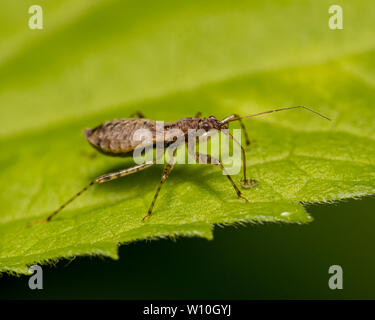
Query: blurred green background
[
  {"x": 252, "y": 262},
  {"x": 93, "y": 56}
]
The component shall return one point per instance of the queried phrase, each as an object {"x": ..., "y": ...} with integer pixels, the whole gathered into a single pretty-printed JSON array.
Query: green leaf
[{"x": 168, "y": 59}]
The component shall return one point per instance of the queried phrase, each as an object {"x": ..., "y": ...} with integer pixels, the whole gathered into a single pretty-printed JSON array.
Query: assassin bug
[{"x": 114, "y": 138}]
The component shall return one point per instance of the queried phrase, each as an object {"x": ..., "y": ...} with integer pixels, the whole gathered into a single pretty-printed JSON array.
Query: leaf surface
[{"x": 171, "y": 61}]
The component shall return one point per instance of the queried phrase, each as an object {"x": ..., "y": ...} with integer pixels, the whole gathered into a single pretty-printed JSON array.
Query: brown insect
[{"x": 115, "y": 138}]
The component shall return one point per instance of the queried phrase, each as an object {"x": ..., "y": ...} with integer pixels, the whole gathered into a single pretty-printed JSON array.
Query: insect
[{"x": 114, "y": 138}]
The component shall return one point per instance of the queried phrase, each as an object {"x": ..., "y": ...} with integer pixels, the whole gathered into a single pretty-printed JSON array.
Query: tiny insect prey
[{"x": 115, "y": 138}]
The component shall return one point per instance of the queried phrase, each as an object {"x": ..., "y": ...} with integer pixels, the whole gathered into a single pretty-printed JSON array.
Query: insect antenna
[{"x": 236, "y": 118}]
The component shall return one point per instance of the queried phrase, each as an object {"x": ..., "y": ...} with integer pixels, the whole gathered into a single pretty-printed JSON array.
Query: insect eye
[
  {"x": 211, "y": 117},
  {"x": 205, "y": 126}
]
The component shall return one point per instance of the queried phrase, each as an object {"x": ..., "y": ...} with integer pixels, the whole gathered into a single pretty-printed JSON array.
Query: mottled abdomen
[{"x": 115, "y": 137}]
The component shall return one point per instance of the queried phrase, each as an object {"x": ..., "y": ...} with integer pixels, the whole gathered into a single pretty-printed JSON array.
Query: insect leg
[
  {"x": 167, "y": 170},
  {"x": 242, "y": 126},
  {"x": 200, "y": 158},
  {"x": 247, "y": 184},
  {"x": 101, "y": 179},
  {"x": 137, "y": 114},
  {"x": 198, "y": 115}
]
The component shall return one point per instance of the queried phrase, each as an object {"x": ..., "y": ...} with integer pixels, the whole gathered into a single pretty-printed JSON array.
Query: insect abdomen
[{"x": 115, "y": 137}]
